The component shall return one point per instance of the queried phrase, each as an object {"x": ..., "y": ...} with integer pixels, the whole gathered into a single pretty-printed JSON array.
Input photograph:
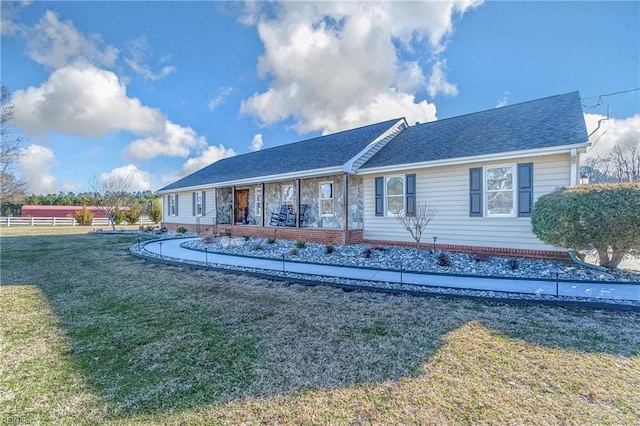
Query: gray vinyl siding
[
  {"x": 185, "y": 208},
  {"x": 447, "y": 188}
]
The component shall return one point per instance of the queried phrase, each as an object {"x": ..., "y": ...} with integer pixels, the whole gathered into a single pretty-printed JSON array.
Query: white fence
[{"x": 60, "y": 221}]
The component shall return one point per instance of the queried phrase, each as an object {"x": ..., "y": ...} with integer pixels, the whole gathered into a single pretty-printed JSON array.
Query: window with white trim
[
  {"x": 326, "y": 199},
  {"x": 287, "y": 195},
  {"x": 173, "y": 209},
  {"x": 500, "y": 190},
  {"x": 198, "y": 203},
  {"x": 394, "y": 195},
  {"x": 258, "y": 208}
]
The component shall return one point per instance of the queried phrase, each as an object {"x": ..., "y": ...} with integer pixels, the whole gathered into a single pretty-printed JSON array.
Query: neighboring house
[{"x": 481, "y": 171}]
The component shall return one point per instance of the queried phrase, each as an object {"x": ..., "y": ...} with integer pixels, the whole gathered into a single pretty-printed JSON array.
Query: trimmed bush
[
  {"x": 84, "y": 216},
  {"x": 606, "y": 216},
  {"x": 443, "y": 260},
  {"x": 301, "y": 244},
  {"x": 271, "y": 240},
  {"x": 182, "y": 230},
  {"x": 133, "y": 215},
  {"x": 328, "y": 249},
  {"x": 155, "y": 212}
]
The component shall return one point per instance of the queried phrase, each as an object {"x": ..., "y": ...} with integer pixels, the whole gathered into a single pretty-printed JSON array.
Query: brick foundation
[
  {"x": 355, "y": 236},
  {"x": 311, "y": 235},
  {"x": 490, "y": 251}
]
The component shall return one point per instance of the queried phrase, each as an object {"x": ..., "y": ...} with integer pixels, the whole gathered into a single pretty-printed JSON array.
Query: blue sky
[{"x": 159, "y": 89}]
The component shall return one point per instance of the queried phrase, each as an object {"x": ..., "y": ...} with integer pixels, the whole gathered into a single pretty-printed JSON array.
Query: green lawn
[{"x": 90, "y": 334}]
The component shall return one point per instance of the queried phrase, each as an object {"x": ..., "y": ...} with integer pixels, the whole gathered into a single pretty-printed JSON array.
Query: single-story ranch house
[{"x": 482, "y": 172}]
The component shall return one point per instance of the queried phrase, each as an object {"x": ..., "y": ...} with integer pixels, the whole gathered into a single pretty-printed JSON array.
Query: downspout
[
  {"x": 574, "y": 167},
  {"x": 576, "y": 259}
]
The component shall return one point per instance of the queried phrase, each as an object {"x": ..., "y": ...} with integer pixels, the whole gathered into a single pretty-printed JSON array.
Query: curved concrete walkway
[{"x": 171, "y": 250}]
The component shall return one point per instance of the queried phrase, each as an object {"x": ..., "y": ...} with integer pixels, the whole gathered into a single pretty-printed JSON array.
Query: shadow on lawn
[{"x": 151, "y": 338}]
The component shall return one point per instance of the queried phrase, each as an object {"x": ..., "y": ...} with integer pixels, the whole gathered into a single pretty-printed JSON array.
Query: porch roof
[
  {"x": 539, "y": 124},
  {"x": 323, "y": 152}
]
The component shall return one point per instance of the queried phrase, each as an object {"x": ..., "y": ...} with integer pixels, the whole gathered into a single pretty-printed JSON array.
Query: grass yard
[{"x": 91, "y": 335}]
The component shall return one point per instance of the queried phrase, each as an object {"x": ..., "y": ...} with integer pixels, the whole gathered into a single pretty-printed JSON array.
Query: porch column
[
  {"x": 262, "y": 203},
  {"x": 298, "y": 203},
  {"x": 345, "y": 199},
  {"x": 232, "y": 219}
]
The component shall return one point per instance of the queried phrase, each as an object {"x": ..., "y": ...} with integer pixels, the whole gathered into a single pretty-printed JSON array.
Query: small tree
[
  {"x": 416, "y": 224},
  {"x": 155, "y": 212},
  {"x": 604, "y": 215},
  {"x": 84, "y": 216},
  {"x": 112, "y": 195}
]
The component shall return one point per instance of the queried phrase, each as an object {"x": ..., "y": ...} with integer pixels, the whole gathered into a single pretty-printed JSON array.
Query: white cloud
[
  {"x": 9, "y": 11},
  {"x": 504, "y": 100},
  {"x": 139, "y": 52},
  {"x": 55, "y": 44},
  {"x": 35, "y": 169},
  {"x": 220, "y": 97},
  {"x": 438, "y": 84},
  {"x": 140, "y": 180},
  {"x": 86, "y": 101},
  {"x": 331, "y": 62},
  {"x": 82, "y": 100},
  {"x": 208, "y": 156},
  {"x": 624, "y": 133},
  {"x": 256, "y": 142},
  {"x": 173, "y": 141}
]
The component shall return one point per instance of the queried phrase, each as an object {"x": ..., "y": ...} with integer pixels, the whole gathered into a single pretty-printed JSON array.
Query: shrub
[
  {"x": 207, "y": 239},
  {"x": 132, "y": 215},
  {"x": 271, "y": 240},
  {"x": 226, "y": 234},
  {"x": 294, "y": 252},
  {"x": 164, "y": 230},
  {"x": 246, "y": 237},
  {"x": 84, "y": 216},
  {"x": 182, "y": 230},
  {"x": 328, "y": 249},
  {"x": 604, "y": 215},
  {"x": 117, "y": 216},
  {"x": 300, "y": 244},
  {"x": 155, "y": 212},
  {"x": 513, "y": 264},
  {"x": 368, "y": 252},
  {"x": 379, "y": 248},
  {"x": 481, "y": 257},
  {"x": 443, "y": 260}
]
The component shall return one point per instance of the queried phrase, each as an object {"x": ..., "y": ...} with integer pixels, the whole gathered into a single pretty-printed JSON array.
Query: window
[
  {"x": 199, "y": 203},
  {"x": 173, "y": 205},
  {"x": 500, "y": 190},
  {"x": 394, "y": 194},
  {"x": 258, "y": 208},
  {"x": 287, "y": 195},
  {"x": 326, "y": 199}
]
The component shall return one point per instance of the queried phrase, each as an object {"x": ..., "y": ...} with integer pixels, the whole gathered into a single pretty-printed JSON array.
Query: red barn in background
[{"x": 60, "y": 211}]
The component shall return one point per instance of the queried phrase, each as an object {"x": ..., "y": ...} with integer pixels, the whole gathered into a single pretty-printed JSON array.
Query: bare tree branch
[
  {"x": 114, "y": 194},
  {"x": 416, "y": 224},
  {"x": 12, "y": 190}
]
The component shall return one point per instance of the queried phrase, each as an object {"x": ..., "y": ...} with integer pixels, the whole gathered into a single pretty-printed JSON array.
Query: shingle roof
[
  {"x": 325, "y": 151},
  {"x": 542, "y": 123}
]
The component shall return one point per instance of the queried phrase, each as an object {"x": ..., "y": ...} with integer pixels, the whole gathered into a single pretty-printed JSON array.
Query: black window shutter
[
  {"x": 410, "y": 191},
  {"x": 525, "y": 189},
  {"x": 379, "y": 196},
  {"x": 176, "y": 204},
  {"x": 475, "y": 192},
  {"x": 193, "y": 203},
  {"x": 204, "y": 203}
]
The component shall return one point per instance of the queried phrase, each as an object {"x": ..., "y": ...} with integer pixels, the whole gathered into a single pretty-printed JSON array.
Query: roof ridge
[{"x": 498, "y": 108}]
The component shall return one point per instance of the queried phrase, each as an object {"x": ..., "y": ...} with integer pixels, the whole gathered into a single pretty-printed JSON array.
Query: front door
[{"x": 242, "y": 206}]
